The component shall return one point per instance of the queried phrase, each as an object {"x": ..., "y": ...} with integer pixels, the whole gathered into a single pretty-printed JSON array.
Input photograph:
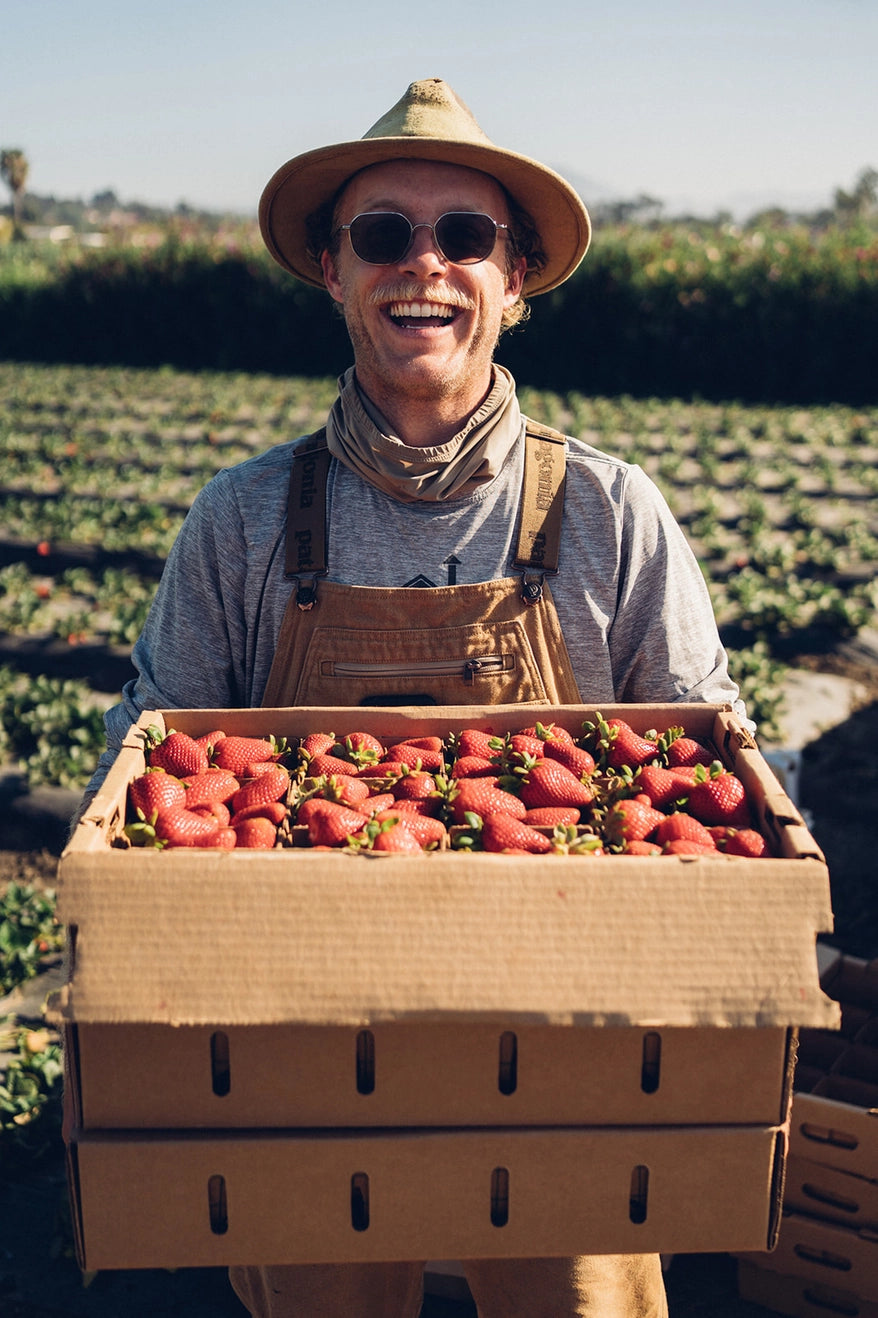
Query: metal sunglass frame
[{"x": 473, "y": 260}]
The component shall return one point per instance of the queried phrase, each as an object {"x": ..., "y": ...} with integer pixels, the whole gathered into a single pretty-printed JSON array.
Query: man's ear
[
  {"x": 330, "y": 274},
  {"x": 515, "y": 280}
]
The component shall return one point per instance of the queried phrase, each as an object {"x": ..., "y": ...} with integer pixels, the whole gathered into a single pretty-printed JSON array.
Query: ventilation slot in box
[
  {"x": 220, "y": 1070},
  {"x": 360, "y": 1201},
  {"x": 217, "y": 1206},
  {"x": 507, "y": 1077},
  {"x": 637, "y": 1201},
  {"x": 651, "y": 1062},
  {"x": 499, "y": 1196},
  {"x": 365, "y": 1062}
]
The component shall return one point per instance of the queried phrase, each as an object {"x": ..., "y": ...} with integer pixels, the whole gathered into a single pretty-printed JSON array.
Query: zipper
[{"x": 487, "y": 665}]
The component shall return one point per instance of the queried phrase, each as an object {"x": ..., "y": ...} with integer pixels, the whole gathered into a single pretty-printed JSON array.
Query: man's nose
[{"x": 424, "y": 255}]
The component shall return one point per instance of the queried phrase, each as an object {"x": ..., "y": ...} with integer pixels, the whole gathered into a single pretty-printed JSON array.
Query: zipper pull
[{"x": 470, "y": 668}]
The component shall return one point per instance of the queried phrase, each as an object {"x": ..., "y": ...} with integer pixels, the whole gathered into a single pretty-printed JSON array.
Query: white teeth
[{"x": 411, "y": 310}]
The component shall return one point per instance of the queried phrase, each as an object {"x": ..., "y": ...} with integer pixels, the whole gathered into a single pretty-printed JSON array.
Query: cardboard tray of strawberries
[{"x": 621, "y": 905}]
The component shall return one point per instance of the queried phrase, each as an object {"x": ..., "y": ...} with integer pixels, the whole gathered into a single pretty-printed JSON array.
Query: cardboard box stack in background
[
  {"x": 299, "y": 1056},
  {"x": 826, "y": 1260}
]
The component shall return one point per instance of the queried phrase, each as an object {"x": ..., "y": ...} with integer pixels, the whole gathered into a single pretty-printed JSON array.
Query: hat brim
[{"x": 308, "y": 181}]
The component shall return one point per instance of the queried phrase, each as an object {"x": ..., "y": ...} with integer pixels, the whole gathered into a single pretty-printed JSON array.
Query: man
[{"x": 430, "y": 545}]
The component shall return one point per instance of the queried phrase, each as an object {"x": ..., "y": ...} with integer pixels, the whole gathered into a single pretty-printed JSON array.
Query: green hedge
[{"x": 781, "y": 315}]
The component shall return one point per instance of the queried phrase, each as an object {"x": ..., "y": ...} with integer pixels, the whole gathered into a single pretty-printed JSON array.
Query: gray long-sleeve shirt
[{"x": 632, "y": 601}]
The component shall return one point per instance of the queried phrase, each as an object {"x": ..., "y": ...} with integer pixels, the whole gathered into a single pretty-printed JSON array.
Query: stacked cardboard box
[
  {"x": 296, "y": 1056},
  {"x": 826, "y": 1260}
]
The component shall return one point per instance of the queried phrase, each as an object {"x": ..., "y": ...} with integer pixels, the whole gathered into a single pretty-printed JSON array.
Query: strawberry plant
[
  {"x": 52, "y": 727},
  {"x": 30, "y": 1094},
  {"x": 28, "y": 933}
]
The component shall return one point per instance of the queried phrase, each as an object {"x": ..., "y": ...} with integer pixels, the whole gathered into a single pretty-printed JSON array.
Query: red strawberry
[
  {"x": 394, "y": 836},
  {"x": 429, "y": 832},
  {"x": 342, "y": 787},
  {"x": 686, "y": 750},
  {"x": 417, "y": 757},
  {"x": 237, "y": 754},
  {"x": 431, "y": 806},
  {"x": 480, "y": 797},
  {"x": 416, "y": 786},
  {"x": 179, "y": 827},
  {"x": 275, "y": 811},
  {"x": 424, "y": 743},
  {"x": 332, "y": 825},
  {"x": 640, "y": 847},
  {"x": 473, "y": 766},
  {"x": 210, "y": 739},
  {"x": 179, "y": 754},
  {"x": 523, "y": 744},
  {"x": 256, "y": 832},
  {"x": 573, "y": 757},
  {"x": 212, "y": 785},
  {"x": 627, "y": 747},
  {"x": 683, "y": 827},
  {"x": 217, "y": 810},
  {"x": 226, "y": 839},
  {"x": 631, "y": 820},
  {"x": 550, "y": 815},
  {"x": 550, "y": 783},
  {"x": 549, "y": 732},
  {"x": 377, "y": 801},
  {"x": 269, "y": 786},
  {"x": 388, "y": 770},
  {"x": 323, "y": 765},
  {"x": 502, "y": 832},
  {"x": 474, "y": 741},
  {"x": 719, "y": 797},
  {"x": 317, "y": 743},
  {"x": 662, "y": 786},
  {"x": 313, "y": 805},
  {"x": 361, "y": 748},
  {"x": 684, "y": 846},
  {"x": 155, "y": 791},
  {"x": 746, "y": 842}
]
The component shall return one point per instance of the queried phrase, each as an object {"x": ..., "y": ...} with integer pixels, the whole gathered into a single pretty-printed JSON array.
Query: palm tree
[{"x": 14, "y": 170}]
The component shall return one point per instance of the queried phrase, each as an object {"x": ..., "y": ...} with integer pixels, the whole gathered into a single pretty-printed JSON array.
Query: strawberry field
[{"x": 100, "y": 466}]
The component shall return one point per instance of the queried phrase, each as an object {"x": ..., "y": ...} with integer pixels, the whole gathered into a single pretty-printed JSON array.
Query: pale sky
[{"x": 705, "y": 106}]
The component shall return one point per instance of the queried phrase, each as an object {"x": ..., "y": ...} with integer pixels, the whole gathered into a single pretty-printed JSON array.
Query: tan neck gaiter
[{"x": 471, "y": 458}]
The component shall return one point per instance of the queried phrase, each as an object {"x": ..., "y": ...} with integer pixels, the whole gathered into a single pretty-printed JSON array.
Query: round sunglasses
[{"x": 384, "y": 237}]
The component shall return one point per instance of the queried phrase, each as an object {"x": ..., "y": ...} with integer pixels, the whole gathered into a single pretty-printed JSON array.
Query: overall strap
[
  {"x": 542, "y": 507},
  {"x": 306, "y": 517}
]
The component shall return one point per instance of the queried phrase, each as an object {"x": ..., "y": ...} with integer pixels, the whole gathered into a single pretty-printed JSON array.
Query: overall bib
[
  {"x": 474, "y": 644},
  {"x": 486, "y": 643}
]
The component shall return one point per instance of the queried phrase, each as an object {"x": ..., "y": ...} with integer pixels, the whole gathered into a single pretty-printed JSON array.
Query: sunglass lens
[
  {"x": 466, "y": 237},
  {"x": 380, "y": 237}
]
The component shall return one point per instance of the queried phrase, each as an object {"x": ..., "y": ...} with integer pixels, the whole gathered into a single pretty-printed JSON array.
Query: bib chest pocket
[{"x": 471, "y": 664}]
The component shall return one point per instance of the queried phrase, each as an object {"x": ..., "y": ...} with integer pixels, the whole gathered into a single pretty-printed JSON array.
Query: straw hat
[{"x": 429, "y": 123}]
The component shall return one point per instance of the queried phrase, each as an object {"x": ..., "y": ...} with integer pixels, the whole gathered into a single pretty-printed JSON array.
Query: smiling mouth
[{"x": 419, "y": 315}]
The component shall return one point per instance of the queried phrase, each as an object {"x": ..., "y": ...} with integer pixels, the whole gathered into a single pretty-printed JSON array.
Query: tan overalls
[{"x": 475, "y": 644}]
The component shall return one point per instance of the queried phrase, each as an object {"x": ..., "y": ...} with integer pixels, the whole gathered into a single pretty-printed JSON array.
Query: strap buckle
[
  {"x": 532, "y": 587},
  {"x": 306, "y": 589}
]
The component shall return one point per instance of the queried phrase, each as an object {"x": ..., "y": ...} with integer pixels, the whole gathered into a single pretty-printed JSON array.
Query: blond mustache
[{"x": 401, "y": 292}]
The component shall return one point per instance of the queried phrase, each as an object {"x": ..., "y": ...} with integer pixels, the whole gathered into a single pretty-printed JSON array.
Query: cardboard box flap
[{"x": 317, "y": 938}]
